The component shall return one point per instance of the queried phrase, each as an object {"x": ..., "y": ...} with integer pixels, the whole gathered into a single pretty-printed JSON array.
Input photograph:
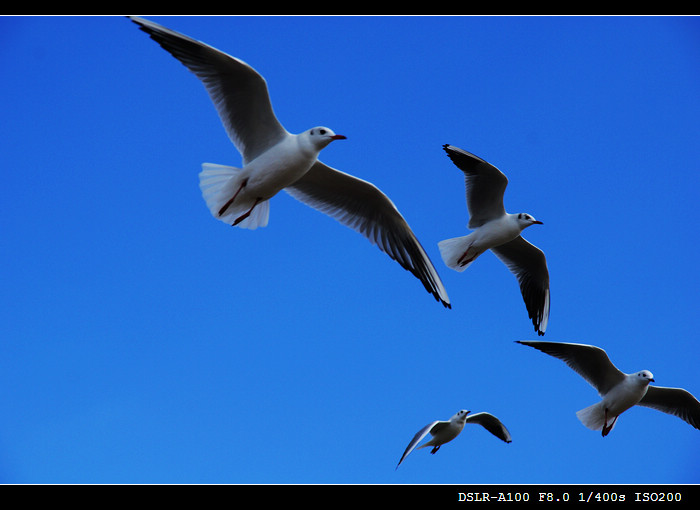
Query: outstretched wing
[
  {"x": 675, "y": 401},
  {"x": 529, "y": 265},
  {"x": 485, "y": 186},
  {"x": 361, "y": 206},
  {"x": 492, "y": 424},
  {"x": 590, "y": 362},
  {"x": 237, "y": 90},
  {"x": 417, "y": 439}
]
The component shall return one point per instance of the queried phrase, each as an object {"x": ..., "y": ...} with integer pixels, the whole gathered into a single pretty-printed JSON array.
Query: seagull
[
  {"x": 618, "y": 390},
  {"x": 274, "y": 160},
  {"x": 445, "y": 431},
  {"x": 498, "y": 231}
]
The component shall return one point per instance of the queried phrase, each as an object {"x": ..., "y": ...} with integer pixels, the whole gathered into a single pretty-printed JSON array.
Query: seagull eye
[{"x": 323, "y": 131}]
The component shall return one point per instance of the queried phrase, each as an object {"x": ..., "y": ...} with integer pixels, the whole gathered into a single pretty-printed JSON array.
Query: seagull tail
[
  {"x": 592, "y": 416},
  {"x": 219, "y": 183},
  {"x": 458, "y": 253}
]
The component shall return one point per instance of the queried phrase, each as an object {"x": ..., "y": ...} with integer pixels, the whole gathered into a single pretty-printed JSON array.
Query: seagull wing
[
  {"x": 361, "y": 206},
  {"x": 590, "y": 362},
  {"x": 237, "y": 90},
  {"x": 529, "y": 265},
  {"x": 492, "y": 424},
  {"x": 675, "y": 401},
  {"x": 417, "y": 439},
  {"x": 485, "y": 186}
]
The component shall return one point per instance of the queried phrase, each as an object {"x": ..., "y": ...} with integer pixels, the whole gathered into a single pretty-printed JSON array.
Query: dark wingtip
[{"x": 437, "y": 297}]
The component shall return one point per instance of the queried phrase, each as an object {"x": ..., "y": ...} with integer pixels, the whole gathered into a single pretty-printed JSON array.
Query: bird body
[
  {"x": 445, "y": 431},
  {"x": 626, "y": 394},
  {"x": 458, "y": 253},
  {"x": 231, "y": 192},
  {"x": 286, "y": 162}
]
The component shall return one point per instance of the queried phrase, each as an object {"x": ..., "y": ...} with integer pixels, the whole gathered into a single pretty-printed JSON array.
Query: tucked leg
[
  {"x": 228, "y": 204},
  {"x": 463, "y": 260},
  {"x": 244, "y": 216},
  {"x": 606, "y": 428}
]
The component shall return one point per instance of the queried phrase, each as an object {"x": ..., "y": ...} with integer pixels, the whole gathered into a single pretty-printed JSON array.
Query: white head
[
  {"x": 644, "y": 377},
  {"x": 321, "y": 136},
  {"x": 461, "y": 416},
  {"x": 525, "y": 220}
]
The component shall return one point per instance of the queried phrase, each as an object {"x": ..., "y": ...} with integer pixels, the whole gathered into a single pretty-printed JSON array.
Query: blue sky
[{"x": 145, "y": 342}]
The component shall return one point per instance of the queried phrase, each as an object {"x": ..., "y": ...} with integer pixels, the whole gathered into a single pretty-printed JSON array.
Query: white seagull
[
  {"x": 498, "y": 231},
  {"x": 274, "y": 159},
  {"x": 445, "y": 431},
  {"x": 619, "y": 391}
]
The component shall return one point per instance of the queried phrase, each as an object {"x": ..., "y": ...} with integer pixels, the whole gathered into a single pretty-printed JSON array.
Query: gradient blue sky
[{"x": 145, "y": 342}]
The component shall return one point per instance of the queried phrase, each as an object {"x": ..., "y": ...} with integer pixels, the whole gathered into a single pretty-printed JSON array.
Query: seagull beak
[
  {"x": 338, "y": 137},
  {"x": 537, "y": 222},
  {"x": 652, "y": 380}
]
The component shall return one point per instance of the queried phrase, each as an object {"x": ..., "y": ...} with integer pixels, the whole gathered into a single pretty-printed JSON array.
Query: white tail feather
[
  {"x": 218, "y": 184},
  {"x": 593, "y": 416},
  {"x": 452, "y": 250}
]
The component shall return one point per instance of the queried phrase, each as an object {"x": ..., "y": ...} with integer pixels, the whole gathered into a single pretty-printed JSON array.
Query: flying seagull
[
  {"x": 274, "y": 160},
  {"x": 445, "y": 431},
  {"x": 498, "y": 231},
  {"x": 619, "y": 391}
]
